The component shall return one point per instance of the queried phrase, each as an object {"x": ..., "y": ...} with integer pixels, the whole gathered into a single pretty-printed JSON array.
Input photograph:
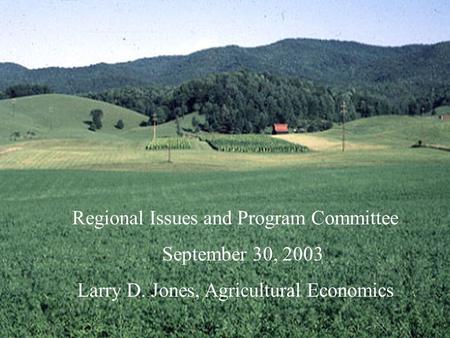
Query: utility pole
[
  {"x": 343, "y": 111},
  {"x": 13, "y": 101},
  {"x": 154, "y": 120},
  {"x": 169, "y": 160},
  {"x": 50, "y": 110}
]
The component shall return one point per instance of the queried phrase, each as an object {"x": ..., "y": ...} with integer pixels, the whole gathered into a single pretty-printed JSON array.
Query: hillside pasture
[{"x": 55, "y": 116}]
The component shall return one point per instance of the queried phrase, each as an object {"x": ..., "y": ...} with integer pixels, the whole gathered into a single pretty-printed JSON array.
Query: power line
[
  {"x": 154, "y": 120},
  {"x": 13, "y": 101},
  {"x": 343, "y": 111}
]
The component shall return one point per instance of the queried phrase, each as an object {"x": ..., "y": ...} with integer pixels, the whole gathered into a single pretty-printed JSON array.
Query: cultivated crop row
[
  {"x": 169, "y": 142},
  {"x": 252, "y": 144}
]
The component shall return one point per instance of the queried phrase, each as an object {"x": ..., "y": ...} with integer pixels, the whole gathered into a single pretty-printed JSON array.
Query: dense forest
[
  {"x": 24, "y": 90},
  {"x": 247, "y": 102}
]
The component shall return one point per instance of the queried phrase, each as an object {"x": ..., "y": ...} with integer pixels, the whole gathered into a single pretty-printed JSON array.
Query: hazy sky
[{"x": 68, "y": 33}]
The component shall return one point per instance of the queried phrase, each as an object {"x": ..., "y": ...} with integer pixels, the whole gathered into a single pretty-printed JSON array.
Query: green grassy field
[
  {"x": 69, "y": 145},
  {"x": 44, "y": 256},
  {"x": 396, "y": 131},
  {"x": 57, "y": 116}
]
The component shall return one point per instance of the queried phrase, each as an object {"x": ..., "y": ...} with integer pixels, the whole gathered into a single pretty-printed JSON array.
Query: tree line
[
  {"x": 248, "y": 102},
  {"x": 24, "y": 90}
]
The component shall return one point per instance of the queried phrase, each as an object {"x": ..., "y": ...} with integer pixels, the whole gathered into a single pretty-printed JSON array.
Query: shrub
[
  {"x": 195, "y": 124},
  {"x": 30, "y": 134},
  {"x": 26, "y": 90},
  {"x": 179, "y": 131},
  {"x": 120, "y": 124},
  {"x": 14, "y": 135},
  {"x": 313, "y": 125},
  {"x": 97, "y": 115}
]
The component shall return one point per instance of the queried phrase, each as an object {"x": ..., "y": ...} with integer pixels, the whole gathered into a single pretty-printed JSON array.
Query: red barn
[{"x": 280, "y": 128}]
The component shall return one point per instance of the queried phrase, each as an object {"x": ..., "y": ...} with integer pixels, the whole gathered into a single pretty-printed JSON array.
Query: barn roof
[{"x": 280, "y": 127}]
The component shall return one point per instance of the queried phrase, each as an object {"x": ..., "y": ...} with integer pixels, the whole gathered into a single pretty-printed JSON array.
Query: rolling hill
[
  {"x": 377, "y": 133},
  {"x": 63, "y": 141},
  {"x": 56, "y": 116},
  {"x": 331, "y": 63}
]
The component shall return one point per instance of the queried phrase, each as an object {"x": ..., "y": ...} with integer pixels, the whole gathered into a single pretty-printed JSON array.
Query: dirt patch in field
[
  {"x": 9, "y": 150},
  {"x": 320, "y": 143}
]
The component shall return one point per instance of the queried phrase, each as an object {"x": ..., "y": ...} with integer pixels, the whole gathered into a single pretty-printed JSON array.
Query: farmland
[
  {"x": 252, "y": 144},
  {"x": 64, "y": 168},
  {"x": 70, "y": 145},
  {"x": 42, "y": 263},
  {"x": 175, "y": 143}
]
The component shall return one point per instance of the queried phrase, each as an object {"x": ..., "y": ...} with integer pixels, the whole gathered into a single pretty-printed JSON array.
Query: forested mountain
[
  {"x": 239, "y": 90},
  {"x": 393, "y": 71}
]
